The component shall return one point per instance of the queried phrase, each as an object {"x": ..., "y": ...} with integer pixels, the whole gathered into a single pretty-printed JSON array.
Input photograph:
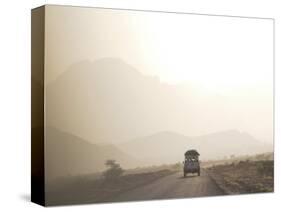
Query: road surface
[{"x": 173, "y": 186}]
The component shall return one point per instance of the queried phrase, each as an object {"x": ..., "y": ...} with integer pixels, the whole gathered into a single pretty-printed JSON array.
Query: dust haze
[{"x": 142, "y": 88}]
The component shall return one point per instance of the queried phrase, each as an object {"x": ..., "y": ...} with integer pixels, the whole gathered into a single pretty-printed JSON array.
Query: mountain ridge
[
  {"x": 67, "y": 154},
  {"x": 165, "y": 147}
]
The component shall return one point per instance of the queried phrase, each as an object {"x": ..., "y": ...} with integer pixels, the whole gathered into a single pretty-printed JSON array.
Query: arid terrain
[
  {"x": 251, "y": 174},
  {"x": 244, "y": 177},
  {"x": 164, "y": 184},
  {"x": 93, "y": 188}
]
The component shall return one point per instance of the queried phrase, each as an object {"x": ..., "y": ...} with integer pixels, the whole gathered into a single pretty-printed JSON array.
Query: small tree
[{"x": 114, "y": 170}]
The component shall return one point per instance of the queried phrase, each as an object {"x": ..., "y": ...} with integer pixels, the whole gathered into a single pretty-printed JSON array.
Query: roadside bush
[{"x": 114, "y": 170}]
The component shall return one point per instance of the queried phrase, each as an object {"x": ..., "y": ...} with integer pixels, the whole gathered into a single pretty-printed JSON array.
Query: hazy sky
[
  {"x": 218, "y": 55},
  {"x": 214, "y": 52}
]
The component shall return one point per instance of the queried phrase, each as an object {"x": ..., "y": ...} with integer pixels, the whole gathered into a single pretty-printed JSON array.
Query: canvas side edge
[{"x": 37, "y": 105}]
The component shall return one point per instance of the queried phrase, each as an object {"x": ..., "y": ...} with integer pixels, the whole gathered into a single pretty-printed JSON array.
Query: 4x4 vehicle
[{"x": 191, "y": 162}]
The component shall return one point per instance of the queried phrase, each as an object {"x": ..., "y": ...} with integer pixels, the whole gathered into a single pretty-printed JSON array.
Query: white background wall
[{"x": 15, "y": 104}]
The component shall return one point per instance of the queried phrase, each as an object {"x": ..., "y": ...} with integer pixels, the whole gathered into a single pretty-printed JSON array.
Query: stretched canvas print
[{"x": 140, "y": 105}]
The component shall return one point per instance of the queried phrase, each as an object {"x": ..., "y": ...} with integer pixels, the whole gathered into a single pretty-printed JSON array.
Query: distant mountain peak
[{"x": 168, "y": 146}]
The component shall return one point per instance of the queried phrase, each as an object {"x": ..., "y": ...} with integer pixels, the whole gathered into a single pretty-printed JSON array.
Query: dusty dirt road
[{"x": 173, "y": 186}]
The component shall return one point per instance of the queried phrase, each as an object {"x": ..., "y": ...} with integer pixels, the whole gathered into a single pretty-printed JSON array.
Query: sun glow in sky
[
  {"x": 212, "y": 52},
  {"x": 228, "y": 57},
  {"x": 215, "y": 53}
]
